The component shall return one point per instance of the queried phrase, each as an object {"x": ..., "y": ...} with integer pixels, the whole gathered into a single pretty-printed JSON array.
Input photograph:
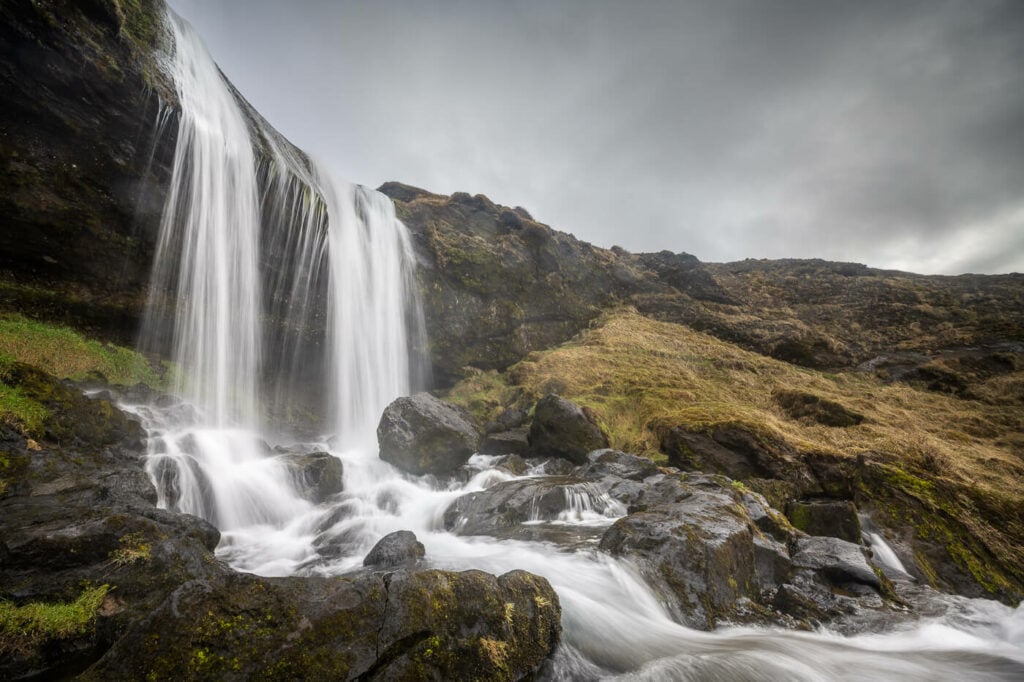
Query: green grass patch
[
  {"x": 24, "y": 628},
  {"x": 66, "y": 354},
  {"x": 20, "y": 411}
]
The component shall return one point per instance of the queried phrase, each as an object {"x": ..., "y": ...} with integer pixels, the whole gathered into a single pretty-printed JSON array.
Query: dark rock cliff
[{"x": 84, "y": 159}]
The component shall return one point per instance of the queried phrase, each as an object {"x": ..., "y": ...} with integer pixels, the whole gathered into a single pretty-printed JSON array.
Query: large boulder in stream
[
  {"x": 382, "y": 626},
  {"x": 719, "y": 554},
  {"x": 705, "y": 550},
  {"x": 317, "y": 475},
  {"x": 395, "y": 549},
  {"x": 562, "y": 428},
  {"x": 424, "y": 435}
]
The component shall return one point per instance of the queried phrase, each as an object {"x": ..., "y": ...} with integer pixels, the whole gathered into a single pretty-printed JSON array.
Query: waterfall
[
  {"x": 207, "y": 252},
  {"x": 285, "y": 294},
  {"x": 279, "y": 291}
]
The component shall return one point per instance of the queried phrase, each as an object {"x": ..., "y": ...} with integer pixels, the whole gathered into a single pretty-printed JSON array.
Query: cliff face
[
  {"x": 83, "y": 161},
  {"x": 497, "y": 284}
]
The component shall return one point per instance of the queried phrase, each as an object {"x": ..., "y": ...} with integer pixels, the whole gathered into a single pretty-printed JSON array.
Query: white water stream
[{"x": 209, "y": 452}]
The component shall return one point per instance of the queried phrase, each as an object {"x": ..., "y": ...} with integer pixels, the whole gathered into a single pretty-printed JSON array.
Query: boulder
[
  {"x": 402, "y": 625},
  {"x": 834, "y": 518},
  {"x": 316, "y": 475},
  {"x": 395, "y": 549},
  {"x": 562, "y": 428},
  {"x": 767, "y": 463},
  {"x": 836, "y": 560},
  {"x": 705, "y": 552},
  {"x": 512, "y": 418},
  {"x": 618, "y": 464},
  {"x": 421, "y": 434}
]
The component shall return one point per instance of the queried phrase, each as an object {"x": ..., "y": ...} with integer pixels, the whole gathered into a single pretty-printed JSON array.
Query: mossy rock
[
  {"x": 63, "y": 414},
  {"x": 955, "y": 547},
  {"x": 402, "y": 625}
]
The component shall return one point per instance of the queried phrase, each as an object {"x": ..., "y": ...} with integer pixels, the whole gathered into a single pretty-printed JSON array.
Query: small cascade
[
  {"x": 582, "y": 504},
  {"x": 883, "y": 553}
]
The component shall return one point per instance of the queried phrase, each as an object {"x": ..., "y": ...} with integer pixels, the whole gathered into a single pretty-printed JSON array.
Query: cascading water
[
  {"x": 255, "y": 258},
  {"x": 260, "y": 254}
]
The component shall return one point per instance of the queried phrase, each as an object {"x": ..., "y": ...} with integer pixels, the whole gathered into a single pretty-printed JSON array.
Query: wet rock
[
  {"x": 702, "y": 549},
  {"x": 562, "y": 428},
  {"x": 395, "y": 549},
  {"x": 513, "y": 503},
  {"x": 317, "y": 475},
  {"x": 514, "y": 464},
  {"x": 766, "y": 517},
  {"x": 403, "y": 625},
  {"x": 838, "y": 561},
  {"x": 512, "y": 442},
  {"x": 423, "y": 435},
  {"x": 617, "y": 464},
  {"x": 834, "y": 518},
  {"x": 555, "y": 466}
]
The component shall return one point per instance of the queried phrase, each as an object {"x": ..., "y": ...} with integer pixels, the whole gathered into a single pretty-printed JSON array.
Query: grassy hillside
[{"x": 952, "y": 461}]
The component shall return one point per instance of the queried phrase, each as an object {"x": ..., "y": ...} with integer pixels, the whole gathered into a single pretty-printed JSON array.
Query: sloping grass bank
[
  {"x": 65, "y": 354},
  {"x": 642, "y": 377}
]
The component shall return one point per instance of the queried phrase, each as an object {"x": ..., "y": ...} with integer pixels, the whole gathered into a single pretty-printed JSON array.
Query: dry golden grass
[{"x": 642, "y": 377}]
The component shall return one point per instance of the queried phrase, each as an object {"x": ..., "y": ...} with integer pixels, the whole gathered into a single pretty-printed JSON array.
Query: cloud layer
[{"x": 890, "y": 133}]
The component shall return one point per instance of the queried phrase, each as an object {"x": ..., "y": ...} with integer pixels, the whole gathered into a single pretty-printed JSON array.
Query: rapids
[{"x": 255, "y": 253}]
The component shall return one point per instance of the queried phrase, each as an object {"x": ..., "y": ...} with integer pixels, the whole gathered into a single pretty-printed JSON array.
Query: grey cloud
[{"x": 890, "y": 133}]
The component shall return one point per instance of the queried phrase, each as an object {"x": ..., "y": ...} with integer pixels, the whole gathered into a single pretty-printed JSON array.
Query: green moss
[
  {"x": 20, "y": 411},
  {"x": 24, "y": 628},
  {"x": 133, "y": 549},
  {"x": 66, "y": 354},
  {"x": 941, "y": 518}
]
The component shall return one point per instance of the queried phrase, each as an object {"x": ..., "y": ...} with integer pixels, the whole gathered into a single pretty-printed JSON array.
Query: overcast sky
[{"x": 888, "y": 133}]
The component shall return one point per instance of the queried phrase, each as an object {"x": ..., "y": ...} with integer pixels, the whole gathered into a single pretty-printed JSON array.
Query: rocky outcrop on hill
[{"x": 496, "y": 285}]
